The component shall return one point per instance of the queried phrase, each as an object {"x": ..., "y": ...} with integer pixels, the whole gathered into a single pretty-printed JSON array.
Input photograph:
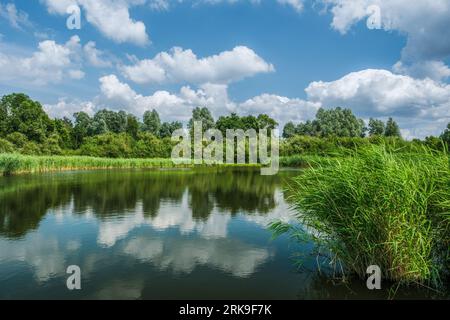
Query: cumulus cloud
[
  {"x": 418, "y": 104},
  {"x": 64, "y": 108},
  {"x": 111, "y": 17},
  {"x": 178, "y": 106},
  {"x": 282, "y": 109},
  {"x": 49, "y": 64},
  {"x": 421, "y": 106},
  {"x": 425, "y": 23},
  {"x": 181, "y": 65}
]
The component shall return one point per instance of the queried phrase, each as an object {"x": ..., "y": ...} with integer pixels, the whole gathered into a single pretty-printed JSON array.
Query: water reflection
[
  {"x": 172, "y": 222},
  {"x": 155, "y": 235},
  {"x": 162, "y": 197}
]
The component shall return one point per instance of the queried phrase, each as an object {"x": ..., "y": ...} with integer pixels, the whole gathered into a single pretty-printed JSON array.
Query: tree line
[
  {"x": 341, "y": 123},
  {"x": 26, "y": 128}
]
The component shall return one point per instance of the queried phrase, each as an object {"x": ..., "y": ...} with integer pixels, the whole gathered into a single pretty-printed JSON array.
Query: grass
[
  {"x": 12, "y": 164},
  {"x": 377, "y": 207},
  {"x": 16, "y": 164}
]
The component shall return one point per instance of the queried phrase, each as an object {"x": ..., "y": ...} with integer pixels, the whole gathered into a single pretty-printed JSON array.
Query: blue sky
[{"x": 286, "y": 58}]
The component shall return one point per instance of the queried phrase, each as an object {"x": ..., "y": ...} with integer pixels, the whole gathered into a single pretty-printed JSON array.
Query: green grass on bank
[
  {"x": 16, "y": 164},
  {"x": 377, "y": 207},
  {"x": 12, "y": 164}
]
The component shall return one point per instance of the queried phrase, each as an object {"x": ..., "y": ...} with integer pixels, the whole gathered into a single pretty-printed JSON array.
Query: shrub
[
  {"x": 18, "y": 139},
  {"x": 6, "y": 146}
]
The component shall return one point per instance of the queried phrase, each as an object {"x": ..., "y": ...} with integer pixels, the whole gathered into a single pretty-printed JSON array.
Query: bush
[
  {"x": 149, "y": 146},
  {"x": 6, "y": 146},
  {"x": 109, "y": 145},
  {"x": 31, "y": 148},
  {"x": 18, "y": 139}
]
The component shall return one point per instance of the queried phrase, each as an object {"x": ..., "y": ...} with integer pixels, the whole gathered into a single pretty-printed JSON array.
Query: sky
[{"x": 285, "y": 58}]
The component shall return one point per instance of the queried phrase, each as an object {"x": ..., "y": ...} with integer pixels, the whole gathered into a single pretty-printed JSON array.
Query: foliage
[
  {"x": 376, "y": 127},
  {"x": 25, "y": 128},
  {"x": 6, "y": 146},
  {"x": 446, "y": 135},
  {"x": 334, "y": 122},
  {"x": 392, "y": 129},
  {"x": 203, "y": 115},
  {"x": 152, "y": 122}
]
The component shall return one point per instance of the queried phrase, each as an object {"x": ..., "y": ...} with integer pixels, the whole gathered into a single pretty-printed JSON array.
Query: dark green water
[{"x": 155, "y": 235}]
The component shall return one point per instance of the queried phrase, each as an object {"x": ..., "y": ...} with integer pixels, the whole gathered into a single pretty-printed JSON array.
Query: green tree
[
  {"x": 83, "y": 123},
  {"x": 250, "y": 122},
  {"x": 232, "y": 122},
  {"x": 64, "y": 129},
  {"x": 203, "y": 115},
  {"x": 446, "y": 135},
  {"x": 309, "y": 128},
  {"x": 392, "y": 129},
  {"x": 376, "y": 127},
  {"x": 167, "y": 129},
  {"x": 334, "y": 122},
  {"x": 110, "y": 121},
  {"x": 266, "y": 122},
  {"x": 289, "y": 130},
  {"x": 25, "y": 116},
  {"x": 152, "y": 122},
  {"x": 339, "y": 122},
  {"x": 132, "y": 126}
]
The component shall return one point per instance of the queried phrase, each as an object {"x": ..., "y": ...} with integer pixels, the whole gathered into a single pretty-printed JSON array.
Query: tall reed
[
  {"x": 377, "y": 207},
  {"x": 15, "y": 163}
]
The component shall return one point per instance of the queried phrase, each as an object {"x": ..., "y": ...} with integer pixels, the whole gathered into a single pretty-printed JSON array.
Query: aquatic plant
[{"x": 377, "y": 207}]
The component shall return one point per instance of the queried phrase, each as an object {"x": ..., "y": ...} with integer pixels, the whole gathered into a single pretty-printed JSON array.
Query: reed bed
[
  {"x": 377, "y": 207},
  {"x": 16, "y": 164}
]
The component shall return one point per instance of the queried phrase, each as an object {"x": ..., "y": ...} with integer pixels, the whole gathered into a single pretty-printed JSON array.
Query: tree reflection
[{"x": 24, "y": 201}]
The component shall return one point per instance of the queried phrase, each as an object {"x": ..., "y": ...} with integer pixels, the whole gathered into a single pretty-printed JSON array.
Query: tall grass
[
  {"x": 11, "y": 163},
  {"x": 16, "y": 164},
  {"x": 377, "y": 207}
]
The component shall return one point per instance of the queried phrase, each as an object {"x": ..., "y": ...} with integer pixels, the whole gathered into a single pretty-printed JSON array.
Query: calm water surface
[{"x": 155, "y": 235}]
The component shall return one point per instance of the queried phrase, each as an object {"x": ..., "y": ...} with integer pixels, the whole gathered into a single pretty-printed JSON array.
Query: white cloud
[
  {"x": 58, "y": 6},
  {"x": 16, "y": 18},
  {"x": 64, "y": 108},
  {"x": 282, "y": 109},
  {"x": 425, "y": 23},
  {"x": 111, "y": 17},
  {"x": 436, "y": 70},
  {"x": 95, "y": 56},
  {"x": 418, "y": 104},
  {"x": 49, "y": 64},
  {"x": 180, "y": 65},
  {"x": 120, "y": 96},
  {"x": 76, "y": 74},
  {"x": 178, "y": 106},
  {"x": 159, "y": 5},
  {"x": 297, "y": 5}
]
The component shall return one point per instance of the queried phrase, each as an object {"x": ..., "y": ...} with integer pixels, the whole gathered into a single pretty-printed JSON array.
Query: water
[{"x": 156, "y": 235}]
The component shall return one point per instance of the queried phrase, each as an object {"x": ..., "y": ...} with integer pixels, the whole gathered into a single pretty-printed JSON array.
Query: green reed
[{"x": 377, "y": 207}]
